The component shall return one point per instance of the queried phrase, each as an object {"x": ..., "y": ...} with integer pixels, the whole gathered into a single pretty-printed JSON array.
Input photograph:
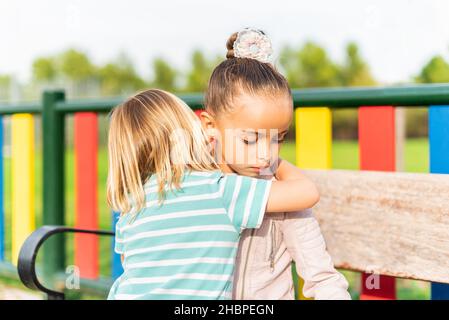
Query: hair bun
[
  {"x": 230, "y": 45},
  {"x": 249, "y": 43}
]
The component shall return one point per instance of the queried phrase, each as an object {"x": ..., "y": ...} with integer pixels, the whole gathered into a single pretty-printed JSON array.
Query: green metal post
[{"x": 53, "y": 181}]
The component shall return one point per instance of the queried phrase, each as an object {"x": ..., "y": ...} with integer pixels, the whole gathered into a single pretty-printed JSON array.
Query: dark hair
[{"x": 235, "y": 76}]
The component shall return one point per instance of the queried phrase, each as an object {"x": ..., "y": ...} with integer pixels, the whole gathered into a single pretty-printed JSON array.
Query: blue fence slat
[
  {"x": 117, "y": 269},
  {"x": 439, "y": 163},
  {"x": 2, "y": 210}
]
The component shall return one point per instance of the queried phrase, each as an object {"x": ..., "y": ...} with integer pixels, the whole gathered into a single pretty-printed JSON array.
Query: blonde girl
[{"x": 181, "y": 216}]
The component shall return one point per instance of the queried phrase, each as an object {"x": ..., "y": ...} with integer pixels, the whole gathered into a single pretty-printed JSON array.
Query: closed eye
[
  {"x": 247, "y": 142},
  {"x": 279, "y": 140}
]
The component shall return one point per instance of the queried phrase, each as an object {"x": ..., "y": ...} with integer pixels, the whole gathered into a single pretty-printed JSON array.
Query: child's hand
[
  {"x": 287, "y": 171},
  {"x": 292, "y": 191}
]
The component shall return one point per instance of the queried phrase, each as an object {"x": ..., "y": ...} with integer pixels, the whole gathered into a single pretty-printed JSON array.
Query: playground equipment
[{"x": 392, "y": 224}]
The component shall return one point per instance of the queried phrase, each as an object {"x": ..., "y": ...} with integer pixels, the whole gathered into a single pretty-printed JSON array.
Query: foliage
[
  {"x": 119, "y": 77},
  {"x": 75, "y": 65},
  {"x": 305, "y": 66},
  {"x": 434, "y": 71},
  {"x": 309, "y": 66},
  {"x": 164, "y": 75},
  {"x": 44, "y": 69},
  {"x": 200, "y": 72}
]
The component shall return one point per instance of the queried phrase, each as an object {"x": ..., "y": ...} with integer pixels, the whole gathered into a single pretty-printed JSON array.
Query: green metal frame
[
  {"x": 53, "y": 180},
  {"x": 54, "y": 107},
  {"x": 410, "y": 96}
]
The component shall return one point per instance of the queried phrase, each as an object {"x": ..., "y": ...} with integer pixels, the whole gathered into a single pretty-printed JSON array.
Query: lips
[{"x": 259, "y": 168}]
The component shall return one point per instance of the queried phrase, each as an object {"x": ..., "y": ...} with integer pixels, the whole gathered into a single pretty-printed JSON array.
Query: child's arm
[
  {"x": 302, "y": 235},
  {"x": 293, "y": 191}
]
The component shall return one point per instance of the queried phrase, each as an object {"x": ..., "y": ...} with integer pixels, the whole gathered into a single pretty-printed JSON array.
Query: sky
[{"x": 396, "y": 37}]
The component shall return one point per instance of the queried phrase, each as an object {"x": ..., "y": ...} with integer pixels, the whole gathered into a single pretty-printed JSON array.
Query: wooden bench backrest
[{"x": 393, "y": 224}]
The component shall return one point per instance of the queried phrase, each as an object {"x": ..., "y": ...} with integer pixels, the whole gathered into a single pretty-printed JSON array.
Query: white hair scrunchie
[{"x": 254, "y": 44}]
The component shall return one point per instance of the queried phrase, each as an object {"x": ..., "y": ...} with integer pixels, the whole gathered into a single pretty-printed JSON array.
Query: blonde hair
[{"x": 141, "y": 143}]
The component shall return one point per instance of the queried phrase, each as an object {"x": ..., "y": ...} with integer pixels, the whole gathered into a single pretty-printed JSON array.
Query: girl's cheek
[
  {"x": 249, "y": 154},
  {"x": 235, "y": 152},
  {"x": 228, "y": 152}
]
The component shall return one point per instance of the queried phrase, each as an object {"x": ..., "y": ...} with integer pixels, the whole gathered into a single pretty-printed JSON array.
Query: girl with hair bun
[{"x": 248, "y": 111}]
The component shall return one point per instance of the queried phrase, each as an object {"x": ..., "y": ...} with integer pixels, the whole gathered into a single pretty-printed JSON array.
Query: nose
[{"x": 264, "y": 154}]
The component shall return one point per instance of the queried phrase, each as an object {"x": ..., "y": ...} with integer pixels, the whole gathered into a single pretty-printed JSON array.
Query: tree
[
  {"x": 75, "y": 65},
  {"x": 355, "y": 71},
  {"x": 200, "y": 72},
  {"x": 45, "y": 69},
  {"x": 119, "y": 77},
  {"x": 164, "y": 75},
  {"x": 435, "y": 71},
  {"x": 5, "y": 83},
  {"x": 309, "y": 66}
]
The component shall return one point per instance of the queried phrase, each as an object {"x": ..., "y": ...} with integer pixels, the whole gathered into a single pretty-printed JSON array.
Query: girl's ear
[
  {"x": 209, "y": 125},
  {"x": 207, "y": 120}
]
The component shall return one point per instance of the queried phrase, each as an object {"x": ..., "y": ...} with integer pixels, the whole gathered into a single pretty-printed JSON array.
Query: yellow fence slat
[
  {"x": 313, "y": 145},
  {"x": 313, "y": 138},
  {"x": 22, "y": 165}
]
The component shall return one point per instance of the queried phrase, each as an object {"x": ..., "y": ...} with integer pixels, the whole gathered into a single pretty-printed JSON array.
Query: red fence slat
[
  {"x": 86, "y": 148},
  {"x": 377, "y": 152}
]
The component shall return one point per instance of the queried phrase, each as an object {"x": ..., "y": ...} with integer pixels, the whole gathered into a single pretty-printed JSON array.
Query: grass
[{"x": 344, "y": 156}]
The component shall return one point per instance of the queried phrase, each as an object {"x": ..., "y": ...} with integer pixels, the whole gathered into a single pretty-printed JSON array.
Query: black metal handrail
[{"x": 26, "y": 264}]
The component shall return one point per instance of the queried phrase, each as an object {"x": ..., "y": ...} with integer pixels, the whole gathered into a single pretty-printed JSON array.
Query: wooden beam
[{"x": 393, "y": 224}]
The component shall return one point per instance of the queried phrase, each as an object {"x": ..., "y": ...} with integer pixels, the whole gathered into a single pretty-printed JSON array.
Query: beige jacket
[{"x": 263, "y": 265}]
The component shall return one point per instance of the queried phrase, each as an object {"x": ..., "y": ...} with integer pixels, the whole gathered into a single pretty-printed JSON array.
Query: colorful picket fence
[{"x": 377, "y": 142}]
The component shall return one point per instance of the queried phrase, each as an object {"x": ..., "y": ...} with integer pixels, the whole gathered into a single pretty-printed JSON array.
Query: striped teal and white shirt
[{"x": 186, "y": 248}]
